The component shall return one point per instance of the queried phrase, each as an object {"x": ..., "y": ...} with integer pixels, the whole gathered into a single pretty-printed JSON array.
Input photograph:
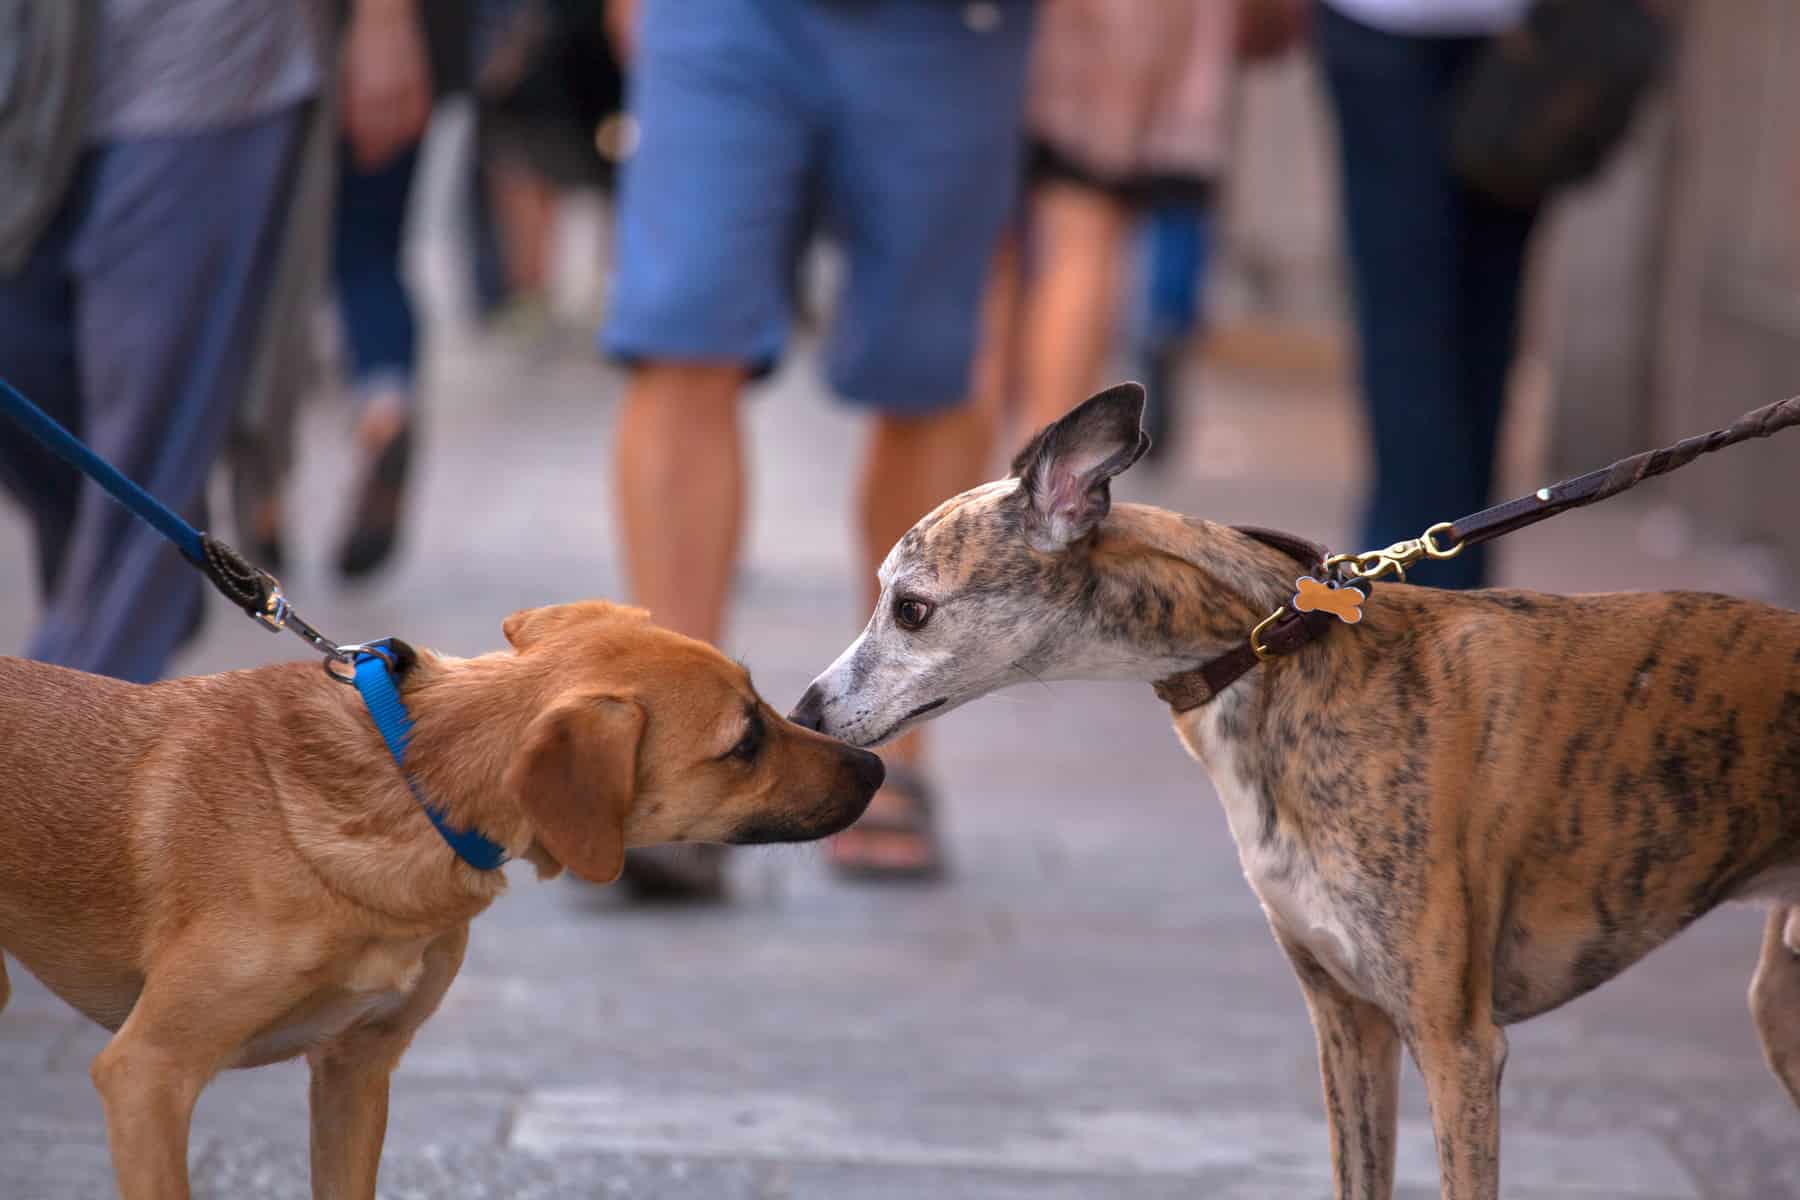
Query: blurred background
[{"x": 442, "y": 310}]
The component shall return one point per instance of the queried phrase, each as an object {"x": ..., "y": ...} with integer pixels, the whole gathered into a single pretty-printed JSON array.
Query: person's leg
[
  {"x": 1175, "y": 245},
  {"x": 171, "y": 265},
  {"x": 37, "y": 357},
  {"x": 678, "y": 463},
  {"x": 383, "y": 341},
  {"x": 911, "y": 465},
  {"x": 920, "y": 182},
  {"x": 994, "y": 377},
  {"x": 709, "y": 218},
  {"x": 1401, "y": 214},
  {"x": 1490, "y": 278},
  {"x": 1078, "y": 236}
]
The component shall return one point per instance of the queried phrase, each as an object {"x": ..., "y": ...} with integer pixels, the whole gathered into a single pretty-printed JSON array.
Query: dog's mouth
[
  {"x": 893, "y": 730},
  {"x": 924, "y": 708}
]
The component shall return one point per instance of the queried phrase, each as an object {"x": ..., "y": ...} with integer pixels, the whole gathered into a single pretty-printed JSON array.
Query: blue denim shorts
[{"x": 889, "y": 125}]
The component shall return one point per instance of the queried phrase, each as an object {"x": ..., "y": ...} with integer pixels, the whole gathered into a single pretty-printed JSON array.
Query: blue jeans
[
  {"x": 1435, "y": 271},
  {"x": 132, "y": 322},
  {"x": 368, "y": 238}
]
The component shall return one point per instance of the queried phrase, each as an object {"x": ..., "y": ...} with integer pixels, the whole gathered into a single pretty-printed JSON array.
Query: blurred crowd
[{"x": 1017, "y": 189}]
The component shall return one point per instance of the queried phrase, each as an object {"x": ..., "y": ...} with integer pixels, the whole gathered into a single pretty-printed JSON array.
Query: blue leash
[{"x": 374, "y": 665}]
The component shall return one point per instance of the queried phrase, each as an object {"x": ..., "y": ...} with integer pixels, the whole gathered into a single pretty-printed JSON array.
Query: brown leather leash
[{"x": 1336, "y": 585}]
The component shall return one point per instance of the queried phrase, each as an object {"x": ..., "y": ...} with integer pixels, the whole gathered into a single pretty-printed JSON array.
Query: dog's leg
[
  {"x": 185, "y": 1027},
  {"x": 1461, "y": 1060},
  {"x": 349, "y": 1092},
  {"x": 1359, "y": 1065},
  {"x": 1775, "y": 997}
]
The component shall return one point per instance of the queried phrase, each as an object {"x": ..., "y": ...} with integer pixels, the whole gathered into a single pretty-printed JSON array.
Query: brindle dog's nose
[{"x": 810, "y": 712}]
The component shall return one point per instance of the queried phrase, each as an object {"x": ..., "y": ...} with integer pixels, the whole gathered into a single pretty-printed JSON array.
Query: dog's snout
[
  {"x": 870, "y": 771},
  {"x": 810, "y": 712}
]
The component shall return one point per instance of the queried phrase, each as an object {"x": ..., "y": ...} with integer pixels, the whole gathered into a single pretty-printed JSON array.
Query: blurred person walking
[
  {"x": 1436, "y": 265},
  {"x": 891, "y": 124},
  {"x": 151, "y": 145},
  {"x": 1128, "y": 122},
  {"x": 396, "y": 59}
]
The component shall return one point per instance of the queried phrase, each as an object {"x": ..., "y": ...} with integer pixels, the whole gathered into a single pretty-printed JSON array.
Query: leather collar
[{"x": 1187, "y": 690}]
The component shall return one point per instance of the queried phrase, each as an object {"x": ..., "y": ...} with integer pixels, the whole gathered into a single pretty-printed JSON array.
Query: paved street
[{"x": 1091, "y": 1008}]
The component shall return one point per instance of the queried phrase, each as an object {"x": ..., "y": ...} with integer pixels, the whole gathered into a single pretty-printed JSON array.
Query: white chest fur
[{"x": 1280, "y": 871}]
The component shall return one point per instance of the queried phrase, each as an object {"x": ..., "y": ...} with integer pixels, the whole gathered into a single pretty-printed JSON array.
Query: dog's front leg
[
  {"x": 1775, "y": 997},
  {"x": 1359, "y": 1065},
  {"x": 192, "y": 1016},
  {"x": 1461, "y": 1062},
  {"x": 350, "y": 1073}
]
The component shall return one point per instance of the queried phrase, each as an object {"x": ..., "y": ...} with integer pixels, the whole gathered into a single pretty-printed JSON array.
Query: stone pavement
[{"x": 1092, "y": 1007}]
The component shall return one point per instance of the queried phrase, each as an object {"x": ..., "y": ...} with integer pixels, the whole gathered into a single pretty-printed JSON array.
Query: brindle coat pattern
[{"x": 1462, "y": 812}]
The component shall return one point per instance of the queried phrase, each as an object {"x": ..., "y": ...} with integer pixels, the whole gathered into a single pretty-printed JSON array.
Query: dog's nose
[
  {"x": 871, "y": 772},
  {"x": 810, "y": 712}
]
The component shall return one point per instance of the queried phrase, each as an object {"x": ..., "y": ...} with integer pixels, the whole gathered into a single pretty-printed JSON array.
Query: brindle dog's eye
[{"x": 911, "y": 613}]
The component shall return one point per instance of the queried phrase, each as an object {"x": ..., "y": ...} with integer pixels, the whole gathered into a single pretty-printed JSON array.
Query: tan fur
[{"x": 230, "y": 870}]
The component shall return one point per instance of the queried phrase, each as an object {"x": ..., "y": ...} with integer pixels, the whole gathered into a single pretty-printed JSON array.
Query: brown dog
[
  {"x": 1459, "y": 812},
  {"x": 230, "y": 870}
]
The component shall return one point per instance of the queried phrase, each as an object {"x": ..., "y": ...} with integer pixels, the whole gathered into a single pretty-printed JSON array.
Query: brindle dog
[{"x": 1463, "y": 811}]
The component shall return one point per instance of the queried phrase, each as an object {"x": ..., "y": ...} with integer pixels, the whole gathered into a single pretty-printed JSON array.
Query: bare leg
[
  {"x": 1775, "y": 997},
  {"x": 525, "y": 209},
  {"x": 996, "y": 372},
  {"x": 680, "y": 471},
  {"x": 913, "y": 464},
  {"x": 1359, "y": 1065},
  {"x": 1072, "y": 298}
]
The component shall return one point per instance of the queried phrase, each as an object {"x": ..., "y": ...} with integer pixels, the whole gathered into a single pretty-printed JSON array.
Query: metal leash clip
[
  {"x": 1373, "y": 564},
  {"x": 277, "y": 615}
]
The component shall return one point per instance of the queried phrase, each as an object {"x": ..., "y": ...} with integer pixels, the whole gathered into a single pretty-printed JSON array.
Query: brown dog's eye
[
  {"x": 911, "y": 614},
  {"x": 751, "y": 743}
]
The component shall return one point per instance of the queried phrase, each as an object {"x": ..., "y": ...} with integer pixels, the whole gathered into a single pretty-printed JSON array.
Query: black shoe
[
  {"x": 256, "y": 507},
  {"x": 676, "y": 874},
  {"x": 375, "y": 526}
]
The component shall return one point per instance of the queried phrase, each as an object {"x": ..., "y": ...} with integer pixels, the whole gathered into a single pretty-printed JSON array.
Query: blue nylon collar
[{"x": 376, "y": 683}]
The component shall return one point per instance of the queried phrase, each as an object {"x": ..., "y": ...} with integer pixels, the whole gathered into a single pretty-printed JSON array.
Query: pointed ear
[
  {"x": 1067, "y": 469},
  {"x": 575, "y": 778}
]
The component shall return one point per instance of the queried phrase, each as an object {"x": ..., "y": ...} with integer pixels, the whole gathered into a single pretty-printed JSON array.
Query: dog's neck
[
  {"x": 1175, "y": 591},
  {"x": 463, "y": 746}
]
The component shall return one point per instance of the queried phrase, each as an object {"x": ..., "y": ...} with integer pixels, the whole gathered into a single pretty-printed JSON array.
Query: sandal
[{"x": 917, "y": 822}]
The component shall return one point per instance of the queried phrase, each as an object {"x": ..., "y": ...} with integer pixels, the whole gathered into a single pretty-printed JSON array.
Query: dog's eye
[
  {"x": 911, "y": 613},
  {"x": 750, "y": 744}
]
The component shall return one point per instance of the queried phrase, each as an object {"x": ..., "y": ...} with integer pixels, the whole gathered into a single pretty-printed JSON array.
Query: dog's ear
[
  {"x": 575, "y": 777},
  {"x": 1067, "y": 469},
  {"x": 530, "y": 625}
]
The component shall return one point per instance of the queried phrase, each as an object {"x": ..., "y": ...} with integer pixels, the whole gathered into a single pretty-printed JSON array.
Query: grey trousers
[{"x": 133, "y": 322}]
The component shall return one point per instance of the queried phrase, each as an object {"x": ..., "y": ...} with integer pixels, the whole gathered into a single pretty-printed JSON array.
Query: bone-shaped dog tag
[{"x": 1344, "y": 603}]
